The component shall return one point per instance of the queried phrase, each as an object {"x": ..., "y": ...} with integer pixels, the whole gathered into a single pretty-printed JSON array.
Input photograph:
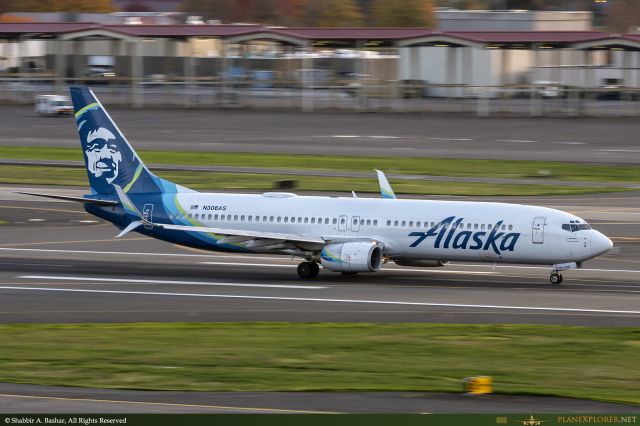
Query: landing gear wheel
[
  {"x": 308, "y": 270},
  {"x": 555, "y": 278},
  {"x": 315, "y": 270}
]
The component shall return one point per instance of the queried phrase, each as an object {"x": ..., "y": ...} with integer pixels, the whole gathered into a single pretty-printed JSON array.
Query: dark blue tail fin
[{"x": 107, "y": 154}]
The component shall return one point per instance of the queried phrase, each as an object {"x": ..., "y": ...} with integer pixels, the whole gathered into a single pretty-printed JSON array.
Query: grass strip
[
  {"x": 401, "y": 165},
  {"x": 583, "y": 362},
  {"x": 38, "y": 175}
]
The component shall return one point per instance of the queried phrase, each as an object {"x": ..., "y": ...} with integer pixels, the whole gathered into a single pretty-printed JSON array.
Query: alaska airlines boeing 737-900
[{"x": 342, "y": 234}]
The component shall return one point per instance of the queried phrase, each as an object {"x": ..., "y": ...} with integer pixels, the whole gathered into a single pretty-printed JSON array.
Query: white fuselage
[{"x": 407, "y": 229}]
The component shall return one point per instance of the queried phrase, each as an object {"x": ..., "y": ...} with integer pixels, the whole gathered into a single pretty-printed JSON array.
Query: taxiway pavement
[{"x": 594, "y": 140}]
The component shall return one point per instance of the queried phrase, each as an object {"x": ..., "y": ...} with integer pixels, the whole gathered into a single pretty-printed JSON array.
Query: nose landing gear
[
  {"x": 308, "y": 270},
  {"x": 556, "y": 276}
]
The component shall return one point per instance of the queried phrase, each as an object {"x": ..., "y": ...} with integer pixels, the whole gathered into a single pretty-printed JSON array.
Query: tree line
[{"x": 619, "y": 16}]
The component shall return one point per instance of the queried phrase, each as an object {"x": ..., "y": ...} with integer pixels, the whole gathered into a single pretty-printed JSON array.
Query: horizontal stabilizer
[
  {"x": 74, "y": 199},
  {"x": 129, "y": 228},
  {"x": 128, "y": 205}
]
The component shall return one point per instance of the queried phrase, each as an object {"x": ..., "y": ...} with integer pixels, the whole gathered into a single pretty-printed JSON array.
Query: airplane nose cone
[{"x": 600, "y": 244}]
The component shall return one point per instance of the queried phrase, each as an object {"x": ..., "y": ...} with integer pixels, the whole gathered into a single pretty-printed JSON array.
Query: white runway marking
[
  {"x": 515, "y": 140},
  {"x": 383, "y": 137},
  {"x": 570, "y": 143},
  {"x": 345, "y": 136},
  {"x": 268, "y": 265},
  {"x": 139, "y": 281},
  {"x": 450, "y": 139},
  {"x": 249, "y": 256},
  {"x": 618, "y": 150},
  {"x": 313, "y": 299}
]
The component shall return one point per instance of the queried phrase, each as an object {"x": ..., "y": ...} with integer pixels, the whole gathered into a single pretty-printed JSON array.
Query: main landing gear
[
  {"x": 555, "y": 278},
  {"x": 308, "y": 270}
]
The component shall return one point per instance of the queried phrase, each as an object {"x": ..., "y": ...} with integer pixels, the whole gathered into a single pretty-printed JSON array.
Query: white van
[{"x": 53, "y": 105}]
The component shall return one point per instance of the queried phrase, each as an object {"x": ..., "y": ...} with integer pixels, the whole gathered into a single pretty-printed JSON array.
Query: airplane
[{"x": 340, "y": 234}]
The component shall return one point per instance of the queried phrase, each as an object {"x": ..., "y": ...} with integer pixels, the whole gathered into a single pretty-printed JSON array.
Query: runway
[
  {"x": 60, "y": 265},
  {"x": 591, "y": 140}
]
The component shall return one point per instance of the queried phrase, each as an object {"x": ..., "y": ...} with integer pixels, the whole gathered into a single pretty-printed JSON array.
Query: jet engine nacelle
[
  {"x": 421, "y": 263},
  {"x": 352, "y": 257}
]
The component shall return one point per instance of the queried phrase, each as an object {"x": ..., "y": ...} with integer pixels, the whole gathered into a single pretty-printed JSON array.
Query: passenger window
[
  {"x": 418, "y": 224},
  {"x": 361, "y": 221},
  {"x": 235, "y": 217},
  {"x": 468, "y": 226},
  {"x": 433, "y": 224},
  {"x": 189, "y": 215},
  {"x": 257, "y": 218},
  {"x": 242, "y": 218},
  {"x": 404, "y": 223},
  {"x": 489, "y": 227},
  {"x": 475, "y": 226},
  {"x": 510, "y": 227},
  {"x": 482, "y": 226},
  {"x": 355, "y": 221},
  {"x": 250, "y": 218},
  {"x": 503, "y": 227},
  {"x": 264, "y": 218},
  {"x": 388, "y": 223},
  {"x": 271, "y": 219},
  {"x": 395, "y": 223},
  {"x": 313, "y": 220},
  {"x": 279, "y": 219},
  {"x": 215, "y": 217},
  {"x": 368, "y": 222},
  {"x": 410, "y": 223},
  {"x": 299, "y": 220},
  {"x": 209, "y": 216},
  {"x": 375, "y": 222},
  {"x": 286, "y": 219},
  {"x": 342, "y": 221}
]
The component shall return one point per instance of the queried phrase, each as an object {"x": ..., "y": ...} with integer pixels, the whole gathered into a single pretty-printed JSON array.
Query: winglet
[
  {"x": 385, "y": 188},
  {"x": 129, "y": 207}
]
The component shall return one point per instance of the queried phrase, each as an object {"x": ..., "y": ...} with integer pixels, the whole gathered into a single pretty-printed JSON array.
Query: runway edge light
[{"x": 478, "y": 385}]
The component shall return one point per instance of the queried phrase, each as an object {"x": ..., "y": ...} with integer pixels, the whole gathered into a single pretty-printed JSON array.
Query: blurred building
[
  {"x": 513, "y": 20},
  {"x": 452, "y": 63}
]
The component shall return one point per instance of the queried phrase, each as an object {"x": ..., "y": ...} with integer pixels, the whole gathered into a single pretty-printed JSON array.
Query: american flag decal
[{"x": 194, "y": 207}]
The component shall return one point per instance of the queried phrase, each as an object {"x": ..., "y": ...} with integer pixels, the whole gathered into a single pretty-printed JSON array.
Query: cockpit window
[{"x": 575, "y": 226}]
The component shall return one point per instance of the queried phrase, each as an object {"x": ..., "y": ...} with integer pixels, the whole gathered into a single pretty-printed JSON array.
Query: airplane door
[
  {"x": 538, "y": 230},
  {"x": 355, "y": 223},
  {"x": 147, "y": 214},
  {"x": 342, "y": 223}
]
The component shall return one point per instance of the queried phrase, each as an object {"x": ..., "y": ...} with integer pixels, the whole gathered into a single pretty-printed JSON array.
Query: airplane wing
[
  {"x": 230, "y": 235},
  {"x": 243, "y": 235},
  {"x": 385, "y": 188},
  {"x": 75, "y": 199}
]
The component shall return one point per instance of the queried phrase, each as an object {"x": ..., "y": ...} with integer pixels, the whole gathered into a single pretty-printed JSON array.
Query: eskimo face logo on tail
[{"x": 103, "y": 156}]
